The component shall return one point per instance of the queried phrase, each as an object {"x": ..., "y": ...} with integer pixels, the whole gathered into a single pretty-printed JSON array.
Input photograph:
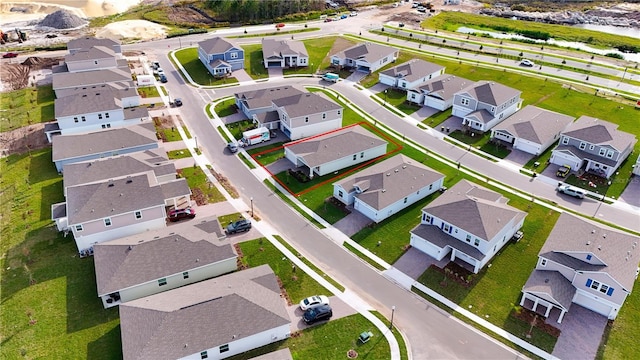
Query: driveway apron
[{"x": 581, "y": 332}]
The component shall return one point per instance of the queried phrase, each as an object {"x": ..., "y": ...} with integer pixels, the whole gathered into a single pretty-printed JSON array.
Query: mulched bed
[
  {"x": 457, "y": 273},
  {"x": 528, "y": 316}
]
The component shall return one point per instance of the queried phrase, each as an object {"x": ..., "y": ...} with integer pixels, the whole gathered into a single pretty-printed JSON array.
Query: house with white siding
[
  {"x": 438, "y": 92},
  {"x": 593, "y": 145},
  {"x": 220, "y": 56},
  {"x": 88, "y": 42},
  {"x": 367, "y": 57},
  {"x": 259, "y": 101},
  {"x": 584, "y": 263},
  {"x": 388, "y": 187},
  {"x": 485, "y": 104},
  {"x": 182, "y": 254},
  {"x": 307, "y": 114},
  {"x": 284, "y": 53},
  {"x": 211, "y": 319},
  {"x": 93, "y": 58},
  {"x": 336, "y": 150},
  {"x": 410, "y": 74},
  {"x": 64, "y": 81},
  {"x": 636, "y": 167},
  {"x": 532, "y": 129},
  {"x": 468, "y": 223}
]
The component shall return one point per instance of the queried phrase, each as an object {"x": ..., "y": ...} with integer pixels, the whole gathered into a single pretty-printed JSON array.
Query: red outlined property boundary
[{"x": 397, "y": 148}]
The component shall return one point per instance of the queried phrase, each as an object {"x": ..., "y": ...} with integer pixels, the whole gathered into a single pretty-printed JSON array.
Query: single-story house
[
  {"x": 181, "y": 255},
  {"x": 410, "y": 74},
  {"x": 469, "y": 223},
  {"x": 485, "y": 104},
  {"x": 258, "y": 101},
  {"x": 532, "y": 129},
  {"x": 211, "y": 319},
  {"x": 585, "y": 263},
  {"x": 307, "y": 114},
  {"x": 284, "y": 53},
  {"x": 367, "y": 57},
  {"x": 220, "y": 56},
  {"x": 386, "y": 188},
  {"x": 73, "y": 148},
  {"x": 438, "y": 92}
]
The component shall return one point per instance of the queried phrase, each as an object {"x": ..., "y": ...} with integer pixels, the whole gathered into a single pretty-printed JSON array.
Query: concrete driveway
[
  {"x": 518, "y": 157},
  {"x": 581, "y": 333},
  {"x": 340, "y": 309},
  {"x": 631, "y": 195},
  {"x": 352, "y": 223}
]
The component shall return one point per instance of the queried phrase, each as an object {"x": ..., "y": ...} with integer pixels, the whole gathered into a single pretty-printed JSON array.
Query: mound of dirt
[
  {"x": 62, "y": 19},
  {"x": 133, "y": 29}
]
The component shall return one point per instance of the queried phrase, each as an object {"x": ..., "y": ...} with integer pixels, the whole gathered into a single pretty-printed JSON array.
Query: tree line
[{"x": 253, "y": 11}]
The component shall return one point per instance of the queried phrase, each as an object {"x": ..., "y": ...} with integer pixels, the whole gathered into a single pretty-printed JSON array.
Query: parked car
[
  {"x": 163, "y": 78},
  {"x": 563, "y": 171},
  {"x": 526, "y": 62},
  {"x": 9, "y": 55},
  {"x": 280, "y": 25},
  {"x": 421, "y": 9},
  {"x": 344, "y": 16},
  {"x": 180, "y": 214},
  {"x": 401, "y": 24},
  {"x": 415, "y": 5},
  {"x": 243, "y": 225},
  {"x": 319, "y": 313},
  {"x": 571, "y": 191},
  {"x": 177, "y": 102},
  {"x": 233, "y": 147},
  {"x": 328, "y": 19},
  {"x": 353, "y": 13},
  {"x": 313, "y": 301}
]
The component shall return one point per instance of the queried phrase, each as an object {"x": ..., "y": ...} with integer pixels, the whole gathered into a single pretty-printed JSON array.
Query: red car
[
  {"x": 10, "y": 55},
  {"x": 280, "y": 25},
  {"x": 179, "y": 214}
]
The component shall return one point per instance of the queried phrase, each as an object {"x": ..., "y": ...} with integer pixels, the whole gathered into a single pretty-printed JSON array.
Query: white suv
[{"x": 571, "y": 191}]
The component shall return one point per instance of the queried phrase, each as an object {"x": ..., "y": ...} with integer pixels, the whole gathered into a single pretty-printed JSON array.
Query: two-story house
[
  {"x": 336, "y": 150},
  {"x": 220, "y": 56},
  {"x": 583, "y": 263},
  {"x": 259, "y": 101},
  {"x": 366, "y": 57},
  {"x": 485, "y": 104},
  {"x": 181, "y": 255},
  {"x": 438, "y": 92},
  {"x": 532, "y": 129},
  {"x": 388, "y": 187},
  {"x": 103, "y": 211},
  {"x": 77, "y": 44},
  {"x": 65, "y": 82},
  {"x": 468, "y": 222},
  {"x": 307, "y": 114},
  {"x": 210, "y": 319},
  {"x": 411, "y": 74},
  {"x": 593, "y": 145},
  {"x": 93, "y": 58},
  {"x": 284, "y": 53}
]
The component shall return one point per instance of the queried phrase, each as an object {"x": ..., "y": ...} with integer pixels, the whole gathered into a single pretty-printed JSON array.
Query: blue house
[{"x": 220, "y": 56}]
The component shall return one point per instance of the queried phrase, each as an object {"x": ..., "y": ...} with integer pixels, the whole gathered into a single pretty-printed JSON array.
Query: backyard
[
  {"x": 26, "y": 106},
  {"x": 203, "y": 191}
]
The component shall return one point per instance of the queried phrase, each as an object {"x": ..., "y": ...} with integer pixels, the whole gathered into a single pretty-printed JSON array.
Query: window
[
  {"x": 95, "y": 62},
  {"x": 610, "y": 154},
  {"x": 565, "y": 140},
  {"x": 602, "y": 152},
  {"x": 339, "y": 112},
  {"x": 355, "y": 156},
  {"x": 306, "y": 119},
  {"x": 595, "y": 285},
  {"x": 224, "y": 348},
  {"x": 234, "y": 55},
  {"x": 107, "y": 222},
  {"x": 361, "y": 155},
  {"x": 430, "y": 186},
  {"x": 162, "y": 282},
  {"x": 583, "y": 146},
  {"x": 446, "y": 228},
  {"x": 75, "y": 119},
  {"x": 543, "y": 262},
  {"x": 476, "y": 242},
  {"x": 204, "y": 355},
  {"x": 340, "y": 193},
  {"x": 464, "y": 101},
  {"x": 591, "y": 147},
  {"x": 469, "y": 238},
  {"x": 324, "y": 115},
  {"x": 79, "y": 227},
  {"x": 604, "y": 288},
  {"x": 588, "y": 256},
  {"x": 185, "y": 275},
  {"x": 426, "y": 218},
  {"x": 385, "y": 59},
  {"x": 413, "y": 96},
  {"x": 106, "y": 115},
  {"x": 83, "y": 118},
  {"x": 100, "y": 116},
  {"x": 405, "y": 200},
  {"x": 138, "y": 214}
]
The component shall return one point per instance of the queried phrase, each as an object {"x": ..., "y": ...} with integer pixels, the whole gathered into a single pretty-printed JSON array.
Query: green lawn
[
  {"x": 269, "y": 156},
  {"x": 495, "y": 149},
  {"x": 226, "y": 108},
  {"x": 237, "y": 128},
  {"x": 398, "y": 99},
  {"x": 25, "y": 107},
  {"x": 349, "y": 117},
  {"x": 318, "y": 49},
  {"x": 148, "y": 91},
  {"x": 199, "y": 184},
  {"x": 437, "y": 118},
  {"x": 178, "y": 154},
  {"x": 188, "y": 57},
  {"x": 253, "y": 61}
]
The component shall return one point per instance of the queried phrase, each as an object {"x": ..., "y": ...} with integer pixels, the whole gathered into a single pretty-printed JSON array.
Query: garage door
[
  {"x": 590, "y": 303},
  {"x": 274, "y": 64},
  {"x": 526, "y": 147},
  {"x": 434, "y": 103}
]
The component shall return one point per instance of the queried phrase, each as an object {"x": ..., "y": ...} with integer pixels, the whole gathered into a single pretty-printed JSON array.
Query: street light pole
[
  {"x": 393, "y": 309},
  {"x": 385, "y": 97},
  {"x": 251, "y": 199}
]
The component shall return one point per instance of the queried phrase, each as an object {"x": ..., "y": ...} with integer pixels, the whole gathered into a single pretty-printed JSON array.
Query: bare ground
[{"x": 24, "y": 139}]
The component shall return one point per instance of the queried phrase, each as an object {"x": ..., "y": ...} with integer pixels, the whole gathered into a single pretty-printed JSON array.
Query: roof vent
[
  {"x": 546, "y": 281},
  {"x": 197, "y": 260},
  {"x": 384, "y": 190},
  {"x": 588, "y": 242},
  {"x": 593, "y": 231},
  {"x": 130, "y": 247},
  {"x": 111, "y": 184},
  {"x": 599, "y": 247},
  {"x": 129, "y": 180},
  {"x": 396, "y": 170},
  {"x": 604, "y": 236},
  {"x": 388, "y": 174},
  {"x": 404, "y": 166},
  {"x": 121, "y": 194},
  {"x": 84, "y": 95}
]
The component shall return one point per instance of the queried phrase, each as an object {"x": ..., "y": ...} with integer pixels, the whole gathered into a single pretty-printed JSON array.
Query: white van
[{"x": 571, "y": 191}]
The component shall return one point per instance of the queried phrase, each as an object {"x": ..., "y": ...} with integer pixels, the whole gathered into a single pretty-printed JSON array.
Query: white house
[
  {"x": 65, "y": 81},
  {"x": 532, "y": 129},
  {"x": 411, "y": 74},
  {"x": 334, "y": 151},
  {"x": 386, "y": 188},
  {"x": 211, "y": 319},
  {"x": 467, "y": 222},
  {"x": 636, "y": 167},
  {"x": 438, "y": 92},
  {"x": 93, "y": 58},
  {"x": 585, "y": 263},
  {"x": 284, "y": 53},
  {"x": 259, "y": 101},
  {"x": 67, "y": 149},
  {"x": 83, "y": 43},
  {"x": 485, "y": 104},
  {"x": 182, "y": 254},
  {"x": 366, "y": 57},
  {"x": 103, "y": 211},
  {"x": 307, "y": 114},
  {"x": 593, "y": 145}
]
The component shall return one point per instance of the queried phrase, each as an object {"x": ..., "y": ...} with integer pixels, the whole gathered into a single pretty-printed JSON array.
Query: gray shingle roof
[
  {"x": 178, "y": 322},
  {"x": 87, "y": 42},
  {"x": 101, "y": 200},
  {"x": 475, "y": 209},
  {"x": 267, "y": 117},
  {"x": 92, "y": 53},
  {"x": 281, "y": 48},
  {"x": 120, "y": 89},
  {"x": 370, "y": 52},
  {"x": 551, "y": 286},
  {"x": 65, "y": 80},
  {"x": 390, "y": 180},
  {"x": 444, "y": 86},
  {"x": 175, "y": 189},
  {"x": 490, "y": 92},
  {"x": 619, "y": 251},
  {"x": 600, "y": 132},
  {"x": 216, "y": 45},
  {"x": 139, "y": 112},
  {"x": 117, "y": 167},
  {"x": 306, "y": 104},
  {"x": 263, "y": 97},
  {"x": 481, "y": 115},
  {"x": 141, "y": 258},
  {"x": 90, "y": 101},
  {"x": 77, "y": 145},
  {"x": 413, "y": 70},
  {"x": 535, "y": 124},
  {"x": 441, "y": 239},
  {"x": 335, "y": 145}
]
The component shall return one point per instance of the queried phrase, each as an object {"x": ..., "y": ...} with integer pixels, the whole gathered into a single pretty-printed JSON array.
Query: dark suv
[
  {"x": 318, "y": 313},
  {"x": 239, "y": 226}
]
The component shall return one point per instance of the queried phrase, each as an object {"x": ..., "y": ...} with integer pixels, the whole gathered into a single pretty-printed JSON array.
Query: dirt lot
[
  {"x": 16, "y": 76},
  {"x": 20, "y": 140}
]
